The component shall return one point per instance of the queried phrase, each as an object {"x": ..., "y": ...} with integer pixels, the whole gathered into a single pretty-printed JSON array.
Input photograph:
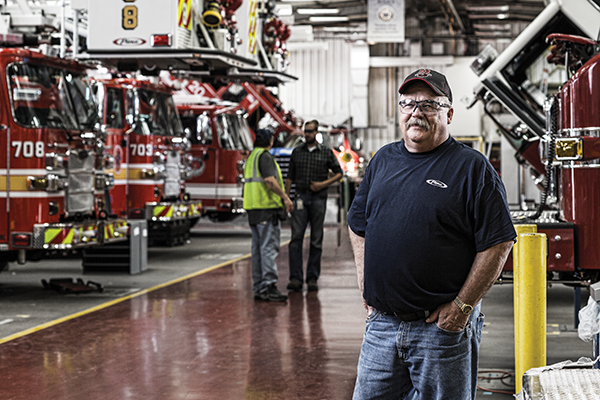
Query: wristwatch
[{"x": 467, "y": 309}]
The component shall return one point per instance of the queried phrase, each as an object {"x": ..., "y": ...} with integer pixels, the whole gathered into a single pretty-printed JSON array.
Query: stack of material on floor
[{"x": 563, "y": 381}]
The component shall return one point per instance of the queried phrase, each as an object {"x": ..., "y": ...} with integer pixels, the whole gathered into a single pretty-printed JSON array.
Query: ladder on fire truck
[{"x": 194, "y": 45}]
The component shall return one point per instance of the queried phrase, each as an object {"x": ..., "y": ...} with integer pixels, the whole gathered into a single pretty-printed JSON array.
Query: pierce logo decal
[
  {"x": 129, "y": 41},
  {"x": 436, "y": 183}
]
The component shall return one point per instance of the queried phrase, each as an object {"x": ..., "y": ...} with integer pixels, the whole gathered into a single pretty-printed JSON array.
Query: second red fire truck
[
  {"x": 152, "y": 157},
  {"x": 221, "y": 137}
]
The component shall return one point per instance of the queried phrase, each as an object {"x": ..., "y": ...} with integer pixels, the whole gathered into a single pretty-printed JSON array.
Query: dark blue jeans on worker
[
  {"x": 418, "y": 361},
  {"x": 313, "y": 213}
]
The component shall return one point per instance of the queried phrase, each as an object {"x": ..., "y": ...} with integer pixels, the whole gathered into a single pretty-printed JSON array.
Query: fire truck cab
[{"x": 220, "y": 136}]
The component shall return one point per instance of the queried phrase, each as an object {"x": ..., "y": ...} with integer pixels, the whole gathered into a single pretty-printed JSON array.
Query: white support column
[
  {"x": 359, "y": 70},
  {"x": 75, "y": 33},
  {"x": 63, "y": 36}
]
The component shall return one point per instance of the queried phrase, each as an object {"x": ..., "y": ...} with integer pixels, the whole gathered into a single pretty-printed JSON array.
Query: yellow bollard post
[
  {"x": 519, "y": 228},
  {"x": 530, "y": 315}
]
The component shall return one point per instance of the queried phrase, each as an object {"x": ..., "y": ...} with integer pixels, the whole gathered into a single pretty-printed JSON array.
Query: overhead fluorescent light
[
  {"x": 305, "y": 11},
  {"x": 492, "y": 27},
  {"x": 328, "y": 19},
  {"x": 338, "y": 29},
  {"x": 490, "y": 9}
]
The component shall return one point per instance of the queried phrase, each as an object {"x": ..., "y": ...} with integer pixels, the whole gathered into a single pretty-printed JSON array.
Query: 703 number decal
[{"x": 141, "y": 150}]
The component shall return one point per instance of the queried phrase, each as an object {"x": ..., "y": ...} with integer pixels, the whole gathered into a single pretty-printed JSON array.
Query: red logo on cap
[{"x": 424, "y": 73}]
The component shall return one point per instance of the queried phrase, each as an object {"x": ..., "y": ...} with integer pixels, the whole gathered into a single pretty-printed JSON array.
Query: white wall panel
[
  {"x": 324, "y": 91},
  {"x": 324, "y": 87}
]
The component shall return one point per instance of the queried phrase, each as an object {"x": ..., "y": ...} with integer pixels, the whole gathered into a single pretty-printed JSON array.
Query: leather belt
[{"x": 410, "y": 317}]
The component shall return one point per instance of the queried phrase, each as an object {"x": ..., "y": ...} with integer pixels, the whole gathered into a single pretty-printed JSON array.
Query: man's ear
[{"x": 450, "y": 115}]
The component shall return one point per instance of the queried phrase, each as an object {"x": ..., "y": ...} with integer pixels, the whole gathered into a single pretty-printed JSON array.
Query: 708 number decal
[{"x": 28, "y": 149}]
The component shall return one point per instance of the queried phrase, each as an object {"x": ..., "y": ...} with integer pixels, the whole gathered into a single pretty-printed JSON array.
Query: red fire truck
[
  {"x": 221, "y": 137},
  {"x": 563, "y": 125},
  {"x": 151, "y": 157},
  {"x": 52, "y": 183}
]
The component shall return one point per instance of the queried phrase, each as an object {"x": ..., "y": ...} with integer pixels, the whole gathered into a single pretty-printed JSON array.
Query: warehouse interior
[{"x": 125, "y": 246}]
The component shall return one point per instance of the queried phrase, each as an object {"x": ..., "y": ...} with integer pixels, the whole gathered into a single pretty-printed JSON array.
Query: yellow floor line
[{"x": 119, "y": 300}]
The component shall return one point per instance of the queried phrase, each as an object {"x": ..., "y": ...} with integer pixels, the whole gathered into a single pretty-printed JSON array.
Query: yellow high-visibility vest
[{"x": 257, "y": 194}]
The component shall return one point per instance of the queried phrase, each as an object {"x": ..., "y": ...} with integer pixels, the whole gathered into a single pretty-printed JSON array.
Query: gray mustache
[{"x": 417, "y": 122}]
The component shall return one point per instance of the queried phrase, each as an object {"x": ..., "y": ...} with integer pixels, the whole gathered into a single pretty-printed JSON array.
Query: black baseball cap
[
  {"x": 436, "y": 81},
  {"x": 263, "y": 134}
]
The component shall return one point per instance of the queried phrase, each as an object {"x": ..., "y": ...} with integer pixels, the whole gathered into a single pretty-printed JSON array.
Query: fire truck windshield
[
  {"x": 156, "y": 114},
  {"x": 233, "y": 131},
  {"x": 198, "y": 127},
  {"x": 43, "y": 96}
]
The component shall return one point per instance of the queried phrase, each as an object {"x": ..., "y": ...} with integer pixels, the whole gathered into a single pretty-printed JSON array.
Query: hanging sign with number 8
[{"x": 130, "y": 16}]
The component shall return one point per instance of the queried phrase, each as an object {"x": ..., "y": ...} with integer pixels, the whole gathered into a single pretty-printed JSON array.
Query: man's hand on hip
[
  {"x": 368, "y": 308},
  {"x": 449, "y": 317}
]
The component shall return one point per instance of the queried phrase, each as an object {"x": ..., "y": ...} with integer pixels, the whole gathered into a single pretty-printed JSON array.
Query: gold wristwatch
[{"x": 467, "y": 309}]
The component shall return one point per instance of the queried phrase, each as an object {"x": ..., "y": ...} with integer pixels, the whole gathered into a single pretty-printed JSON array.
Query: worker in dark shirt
[
  {"x": 309, "y": 168},
  {"x": 266, "y": 204},
  {"x": 430, "y": 229}
]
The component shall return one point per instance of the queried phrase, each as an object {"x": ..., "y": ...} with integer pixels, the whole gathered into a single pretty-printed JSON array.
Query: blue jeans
[
  {"x": 313, "y": 212},
  {"x": 416, "y": 360},
  {"x": 265, "y": 248}
]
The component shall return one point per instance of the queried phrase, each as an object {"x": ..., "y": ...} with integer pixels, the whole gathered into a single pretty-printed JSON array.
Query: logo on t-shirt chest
[{"x": 436, "y": 183}]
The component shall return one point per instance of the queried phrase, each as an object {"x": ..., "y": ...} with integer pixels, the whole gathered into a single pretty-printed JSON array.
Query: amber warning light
[{"x": 160, "y": 40}]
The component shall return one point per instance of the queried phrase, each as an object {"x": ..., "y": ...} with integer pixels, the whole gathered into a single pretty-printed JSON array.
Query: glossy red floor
[{"x": 203, "y": 338}]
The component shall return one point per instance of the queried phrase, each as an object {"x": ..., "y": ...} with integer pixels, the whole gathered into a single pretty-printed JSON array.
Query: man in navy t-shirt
[{"x": 431, "y": 231}]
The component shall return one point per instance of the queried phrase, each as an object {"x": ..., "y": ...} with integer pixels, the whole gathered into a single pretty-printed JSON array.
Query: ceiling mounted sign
[{"x": 386, "y": 21}]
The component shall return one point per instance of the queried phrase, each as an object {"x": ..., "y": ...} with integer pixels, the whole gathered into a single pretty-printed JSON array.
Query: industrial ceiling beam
[{"x": 452, "y": 16}]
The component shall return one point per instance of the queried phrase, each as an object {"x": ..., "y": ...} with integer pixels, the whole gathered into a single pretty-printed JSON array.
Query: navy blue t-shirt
[{"x": 424, "y": 217}]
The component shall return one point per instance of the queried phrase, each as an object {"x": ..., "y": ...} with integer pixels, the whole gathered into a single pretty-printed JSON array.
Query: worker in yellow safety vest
[{"x": 266, "y": 204}]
